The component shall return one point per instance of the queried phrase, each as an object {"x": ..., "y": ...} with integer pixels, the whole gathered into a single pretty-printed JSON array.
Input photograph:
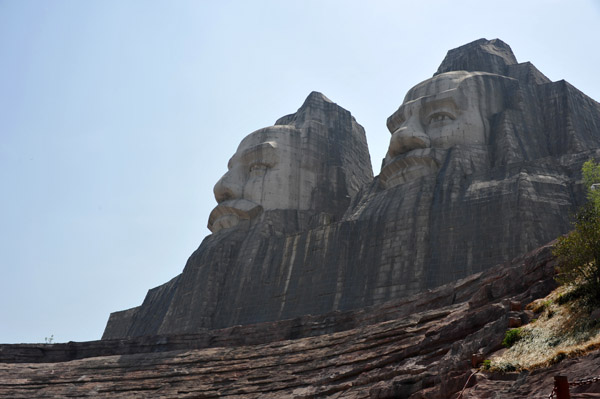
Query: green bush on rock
[
  {"x": 512, "y": 336},
  {"x": 579, "y": 251}
]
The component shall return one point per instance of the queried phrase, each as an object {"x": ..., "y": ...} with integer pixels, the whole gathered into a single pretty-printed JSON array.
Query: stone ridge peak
[
  {"x": 315, "y": 96},
  {"x": 314, "y": 108},
  {"x": 493, "y": 56}
]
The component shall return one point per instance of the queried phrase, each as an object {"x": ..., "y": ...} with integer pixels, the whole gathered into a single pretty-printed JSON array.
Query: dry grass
[{"x": 559, "y": 332}]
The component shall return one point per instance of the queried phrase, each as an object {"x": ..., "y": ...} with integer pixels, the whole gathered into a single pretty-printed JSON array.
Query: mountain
[
  {"x": 483, "y": 165},
  {"x": 320, "y": 280}
]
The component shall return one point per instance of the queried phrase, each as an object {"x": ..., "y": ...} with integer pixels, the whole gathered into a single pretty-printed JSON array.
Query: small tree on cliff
[
  {"x": 579, "y": 251},
  {"x": 591, "y": 178}
]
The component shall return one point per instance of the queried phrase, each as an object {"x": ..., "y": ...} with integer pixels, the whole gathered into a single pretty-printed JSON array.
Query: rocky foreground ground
[{"x": 418, "y": 348}]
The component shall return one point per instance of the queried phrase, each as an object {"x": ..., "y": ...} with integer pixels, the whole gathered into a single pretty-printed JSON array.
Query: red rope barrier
[{"x": 466, "y": 383}]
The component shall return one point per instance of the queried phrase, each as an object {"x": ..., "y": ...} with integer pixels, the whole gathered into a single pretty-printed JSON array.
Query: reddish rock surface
[
  {"x": 539, "y": 383},
  {"x": 418, "y": 348}
]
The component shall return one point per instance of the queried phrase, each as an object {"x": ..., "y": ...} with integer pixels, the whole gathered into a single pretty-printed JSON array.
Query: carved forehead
[
  {"x": 272, "y": 143},
  {"x": 460, "y": 89},
  {"x": 282, "y": 135},
  {"x": 446, "y": 82}
]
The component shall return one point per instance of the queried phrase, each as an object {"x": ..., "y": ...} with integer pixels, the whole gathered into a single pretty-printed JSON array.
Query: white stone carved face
[
  {"x": 447, "y": 110},
  {"x": 268, "y": 171}
]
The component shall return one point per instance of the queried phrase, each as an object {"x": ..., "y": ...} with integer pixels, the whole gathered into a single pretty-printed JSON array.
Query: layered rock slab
[
  {"x": 419, "y": 347},
  {"x": 540, "y": 382}
]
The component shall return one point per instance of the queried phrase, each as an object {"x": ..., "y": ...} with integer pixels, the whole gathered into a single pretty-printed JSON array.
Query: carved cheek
[
  {"x": 461, "y": 131},
  {"x": 253, "y": 189},
  {"x": 472, "y": 129},
  {"x": 442, "y": 136}
]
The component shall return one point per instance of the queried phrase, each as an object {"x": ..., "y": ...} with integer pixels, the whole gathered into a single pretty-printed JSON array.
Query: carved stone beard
[
  {"x": 448, "y": 111},
  {"x": 229, "y": 213}
]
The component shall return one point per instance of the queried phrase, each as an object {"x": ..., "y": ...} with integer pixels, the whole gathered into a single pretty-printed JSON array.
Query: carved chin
[
  {"x": 230, "y": 213},
  {"x": 408, "y": 167},
  {"x": 225, "y": 222}
]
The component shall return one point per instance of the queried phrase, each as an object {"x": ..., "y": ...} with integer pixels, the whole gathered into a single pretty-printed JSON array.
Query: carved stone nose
[
  {"x": 405, "y": 139},
  {"x": 227, "y": 188}
]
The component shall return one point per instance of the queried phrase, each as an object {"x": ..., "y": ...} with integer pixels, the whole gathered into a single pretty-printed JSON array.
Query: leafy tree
[
  {"x": 591, "y": 176},
  {"x": 579, "y": 251}
]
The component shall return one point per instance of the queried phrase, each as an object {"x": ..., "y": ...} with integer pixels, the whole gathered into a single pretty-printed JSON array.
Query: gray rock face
[
  {"x": 311, "y": 163},
  {"x": 454, "y": 197},
  {"x": 493, "y": 56}
]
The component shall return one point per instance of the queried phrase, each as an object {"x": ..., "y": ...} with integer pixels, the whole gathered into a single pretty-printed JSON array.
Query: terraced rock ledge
[{"x": 422, "y": 347}]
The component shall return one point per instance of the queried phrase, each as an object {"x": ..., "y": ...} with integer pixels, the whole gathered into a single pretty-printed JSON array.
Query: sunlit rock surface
[
  {"x": 293, "y": 177},
  {"x": 483, "y": 165}
]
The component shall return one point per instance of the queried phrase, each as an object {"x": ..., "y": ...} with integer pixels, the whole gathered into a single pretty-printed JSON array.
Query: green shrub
[
  {"x": 487, "y": 363},
  {"x": 572, "y": 295},
  {"x": 591, "y": 175},
  {"x": 512, "y": 336},
  {"x": 579, "y": 251}
]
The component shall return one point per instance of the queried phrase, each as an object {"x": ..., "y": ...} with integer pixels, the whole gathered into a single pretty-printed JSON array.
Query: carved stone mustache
[
  {"x": 400, "y": 168},
  {"x": 231, "y": 212}
]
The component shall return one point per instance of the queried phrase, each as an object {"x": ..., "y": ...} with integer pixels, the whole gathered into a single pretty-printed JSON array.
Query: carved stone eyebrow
[
  {"x": 436, "y": 104},
  {"x": 425, "y": 106},
  {"x": 265, "y": 152},
  {"x": 395, "y": 120}
]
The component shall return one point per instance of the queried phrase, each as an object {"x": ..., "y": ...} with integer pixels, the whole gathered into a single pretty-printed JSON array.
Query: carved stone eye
[
  {"x": 258, "y": 169},
  {"x": 440, "y": 117}
]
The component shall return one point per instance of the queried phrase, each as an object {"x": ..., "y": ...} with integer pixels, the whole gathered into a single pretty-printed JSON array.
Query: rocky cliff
[
  {"x": 452, "y": 199},
  {"x": 419, "y": 347},
  {"x": 343, "y": 285}
]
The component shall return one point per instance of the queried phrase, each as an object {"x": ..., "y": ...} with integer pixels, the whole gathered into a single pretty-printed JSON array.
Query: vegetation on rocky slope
[
  {"x": 579, "y": 251},
  {"x": 568, "y": 319},
  {"x": 565, "y": 326}
]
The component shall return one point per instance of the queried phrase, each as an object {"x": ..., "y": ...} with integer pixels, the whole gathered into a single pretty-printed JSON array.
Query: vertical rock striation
[
  {"x": 492, "y": 174},
  {"x": 245, "y": 273}
]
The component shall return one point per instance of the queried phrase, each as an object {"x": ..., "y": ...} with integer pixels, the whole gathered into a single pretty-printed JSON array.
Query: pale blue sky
[{"x": 117, "y": 118}]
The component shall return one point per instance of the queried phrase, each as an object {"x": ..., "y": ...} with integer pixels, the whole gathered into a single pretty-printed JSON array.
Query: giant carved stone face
[
  {"x": 268, "y": 171},
  {"x": 447, "y": 110}
]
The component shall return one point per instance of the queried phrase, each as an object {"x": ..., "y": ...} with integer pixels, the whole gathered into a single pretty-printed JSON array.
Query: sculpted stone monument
[
  {"x": 296, "y": 175},
  {"x": 312, "y": 161},
  {"x": 452, "y": 109},
  {"x": 483, "y": 165}
]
